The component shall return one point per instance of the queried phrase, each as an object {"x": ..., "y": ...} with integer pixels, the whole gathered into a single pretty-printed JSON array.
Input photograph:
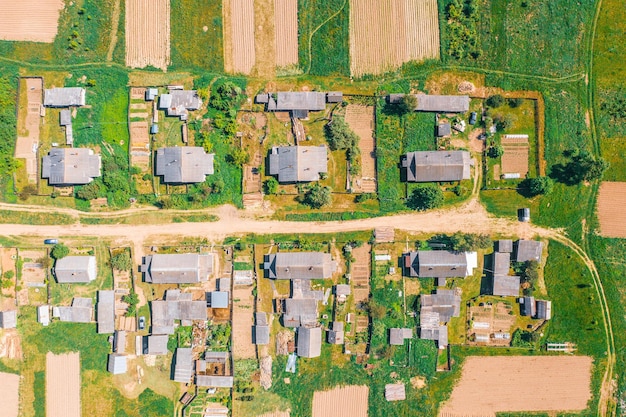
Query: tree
[
  {"x": 59, "y": 251},
  {"x": 407, "y": 104},
  {"x": 376, "y": 311},
  {"x": 425, "y": 198},
  {"x": 539, "y": 185},
  {"x": 582, "y": 166},
  {"x": 88, "y": 191},
  {"x": 495, "y": 151},
  {"x": 495, "y": 101},
  {"x": 504, "y": 121},
  {"x": 339, "y": 134},
  {"x": 238, "y": 157},
  {"x": 317, "y": 196},
  {"x": 515, "y": 102},
  {"x": 121, "y": 261},
  {"x": 530, "y": 272},
  {"x": 132, "y": 300},
  {"x": 270, "y": 186}
]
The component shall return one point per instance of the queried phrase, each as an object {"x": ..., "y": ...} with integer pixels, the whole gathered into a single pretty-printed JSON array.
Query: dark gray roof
[
  {"x": 180, "y": 268},
  {"x": 506, "y": 285},
  {"x": 214, "y": 381},
  {"x": 544, "y": 309},
  {"x": 65, "y": 117},
  {"x": 156, "y": 344},
  {"x": 70, "y": 166},
  {"x": 309, "y": 342},
  {"x": 442, "y": 104},
  {"x": 219, "y": 299},
  {"x": 179, "y": 102},
  {"x": 298, "y": 163},
  {"x": 397, "y": 335},
  {"x": 444, "y": 302},
  {"x": 300, "y": 100},
  {"x": 528, "y": 306},
  {"x": 80, "y": 311},
  {"x": 105, "y": 311},
  {"x": 299, "y": 265},
  {"x": 528, "y": 250},
  {"x": 183, "y": 365},
  {"x": 504, "y": 245},
  {"x": 176, "y": 306},
  {"x": 64, "y": 97},
  {"x": 8, "y": 319},
  {"x": 436, "y": 264},
  {"x": 261, "y": 335},
  {"x": 501, "y": 263},
  {"x": 117, "y": 364},
  {"x": 334, "y": 97},
  {"x": 183, "y": 164},
  {"x": 300, "y": 312},
  {"x": 436, "y": 166},
  {"x": 443, "y": 129},
  {"x": 75, "y": 269}
]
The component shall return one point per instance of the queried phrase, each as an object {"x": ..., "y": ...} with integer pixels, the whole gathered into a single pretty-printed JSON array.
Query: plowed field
[
  {"x": 242, "y": 36},
  {"x": 350, "y": 401},
  {"x": 559, "y": 383},
  {"x": 148, "y": 33},
  {"x": 63, "y": 385},
  {"x": 9, "y": 400},
  {"x": 29, "y": 20},
  {"x": 611, "y": 213},
  {"x": 386, "y": 33},
  {"x": 361, "y": 121},
  {"x": 286, "y": 30}
]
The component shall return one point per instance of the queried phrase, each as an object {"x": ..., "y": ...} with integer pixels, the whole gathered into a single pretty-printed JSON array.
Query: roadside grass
[
  {"x": 40, "y": 394},
  {"x": 329, "y": 46},
  {"x": 191, "y": 46},
  {"x": 34, "y": 218},
  {"x": 8, "y": 129},
  {"x": 156, "y": 217}
]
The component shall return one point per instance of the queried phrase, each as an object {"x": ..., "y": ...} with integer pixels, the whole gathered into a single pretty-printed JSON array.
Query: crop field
[
  {"x": 30, "y": 20},
  {"x": 397, "y": 31},
  {"x": 350, "y": 401},
  {"x": 148, "y": 33},
  {"x": 515, "y": 156},
  {"x": 564, "y": 385},
  {"x": 361, "y": 121},
  {"x": 62, "y": 385},
  {"x": 611, "y": 214},
  {"x": 241, "y": 37},
  {"x": 286, "y": 32},
  {"x": 9, "y": 401}
]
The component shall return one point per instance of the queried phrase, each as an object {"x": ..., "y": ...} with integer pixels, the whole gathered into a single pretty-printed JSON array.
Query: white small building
[{"x": 43, "y": 314}]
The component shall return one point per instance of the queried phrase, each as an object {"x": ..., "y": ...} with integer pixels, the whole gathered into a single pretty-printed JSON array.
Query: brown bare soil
[
  {"x": 498, "y": 318},
  {"x": 349, "y": 401},
  {"x": 286, "y": 32},
  {"x": 559, "y": 383},
  {"x": 63, "y": 385},
  {"x": 611, "y": 203},
  {"x": 515, "y": 156},
  {"x": 148, "y": 33},
  {"x": 28, "y": 139},
  {"x": 361, "y": 121},
  {"x": 243, "y": 302},
  {"x": 276, "y": 414},
  {"x": 397, "y": 31},
  {"x": 10, "y": 344},
  {"x": 361, "y": 271},
  {"x": 30, "y": 20},
  {"x": 9, "y": 399},
  {"x": 242, "y": 36}
]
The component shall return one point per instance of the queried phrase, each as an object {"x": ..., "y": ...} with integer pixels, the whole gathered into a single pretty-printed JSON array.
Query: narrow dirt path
[{"x": 115, "y": 22}]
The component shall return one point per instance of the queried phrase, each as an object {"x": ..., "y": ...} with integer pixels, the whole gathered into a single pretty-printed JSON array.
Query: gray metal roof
[
  {"x": 501, "y": 263},
  {"x": 436, "y": 264},
  {"x": 183, "y": 164},
  {"x": 300, "y": 312},
  {"x": 506, "y": 285},
  {"x": 544, "y": 309},
  {"x": 8, "y": 319},
  {"x": 436, "y": 166},
  {"x": 179, "y": 102},
  {"x": 260, "y": 318},
  {"x": 528, "y": 250},
  {"x": 298, "y": 163},
  {"x": 309, "y": 342},
  {"x": 528, "y": 306},
  {"x": 442, "y": 104},
  {"x": 300, "y": 100},
  {"x": 261, "y": 335},
  {"x": 443, "y": 129},
  {"x": 444, "y": 302},
  {"x": 117, "y": 364},
  {"x": 64, "y": 97},
  {"x": 299, "y": 265},
  {"x": 219, "y": 299},
  {"x": 504, "y": 245},
  {"x": 336, "y": 335},
  {"x": 65, "y": 117},
  {"x": 75, "y": 269},
  {"x": 164, "y": 312},
  {"x": 342, "y": 289},
  {"x": 80, "y": 311},
  {"x": 397, "y": 335},
  {"x": 105, "y": 311},
  {"x": 156, "y": 344},
  {"x": 223, "y": 284},
  {"x": 334, "y": 96},
  {"x": 183, "y": 268},
  {"x": 214, "y": 381},
  {"x": 183, "y": 365},
  {"x": 70, "y": 166},
  {"x": 216, "y": 357}
]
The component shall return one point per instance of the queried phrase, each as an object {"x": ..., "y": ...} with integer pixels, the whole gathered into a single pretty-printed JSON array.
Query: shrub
[
  {"x": 425, "y": 198},
  {"x": 238, "y": 157},
  {"x": 270, "y": 186},
  {"x": 515, "y": 102},
  {"x": 539, "y": 185},
  {"x": 317, "y": 196},
  {"x": 495, "y": 151},
  {"x": 495, "y": 101},
  {"x": 59, "y": 251},
  {"x": 339, "y": 134},
  {"x": 121, "y": 261}
]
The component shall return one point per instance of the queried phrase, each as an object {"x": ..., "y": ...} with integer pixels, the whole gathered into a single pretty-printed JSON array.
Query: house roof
[
  {"x": 117, "y": 364},
  {"x": 528, "y": 250},
  {"x": 298, "y": 163},
  {"x": 156, "y": 344},
  {"x": 64, "y": 97},
  {"x": 397, "y": 335},
  {"x": 164, "y": 312},
  {"x": 309, "y": 342},
  {"x": 436, "y": 166},
  {"x": 80, "y": 311},
  {"x": 506, "y": 285},
  {"x": 70, "y": 166},
  {"x": 65, "y": 117},
  {"x": 75, "y": 269},
  {"x": 8, "y": 319},
  {"x": 219, "y": 299},
  {"x": 105, "y": 311},
  {"x": 342, "y": 289},
  {"x": 300, "y": 100},
  {"x": 179, "y": 102},
  {"x": 299, "y": 265},
  {"x": 501, "y": 263},
  {"x": 442, "y": 104},
  {"x": 214, "y": 381},
  {"x": 300, "y": 312},
  {"x": 183, "y": 268},
  {"x": 183, "y": 164},
  {"x": 504, "y": 245},
  {"x": 447, "y": 303},
  {"x": 183, "y": 365},
  {"x": 261, "y": 335},
  {"x": 544, "y": 309},
  {"x": 437, "y": 264}
]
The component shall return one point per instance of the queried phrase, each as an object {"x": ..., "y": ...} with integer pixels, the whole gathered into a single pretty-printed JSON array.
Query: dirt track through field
[
  {"x": 148, "y": 33},
  {"x": 349, "y": 401},
  {"x": 29, "y": 20},
  {"x": 63, "y": 385},
  {"x": 286, "y": 32},
  {"x": 524, "y": 383},
  {"x": 9, "y": 399},
  {"x": 611, "y": 214},
  {"x": 242, "y": 36},
  {"x": 397, "y": 31}
]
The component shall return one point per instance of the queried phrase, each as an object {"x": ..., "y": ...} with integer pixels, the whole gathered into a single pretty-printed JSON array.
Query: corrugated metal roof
[
  {"x": 300, "y": 100},
  {"x": 117, "y": 364},
  {"x": 299, "y": 265},
  {"x": 501, "y": 263},
  {"x": 156, "y": 344},
  {"x": 8, "y": 319},
  {"x": 105, "y": 310},
  {"x": 442, "y": 104},
  {"x": 183, "y": 268},
  {"x": 309, "y": 342},
  {"x": 183, "y": 164},
  {"x": 436, "y": 166},
  {"x": 214, "y": 381},
  {"x": 75, "y": 269},
  {"x": 436, "y": 264},
  {"x": 219, "y": 299},
  {"x": 183, "y": 365},
  {"x": 64, "y": 97},
  {"x": 506, "y": 285},
  {"x": 528, "y": 250},
  {"x": 298, "y": 163},
  {"x": 261, "y": 335},
  {"x": 70, "y": 166},
  {"x": 444, "y": 302}
]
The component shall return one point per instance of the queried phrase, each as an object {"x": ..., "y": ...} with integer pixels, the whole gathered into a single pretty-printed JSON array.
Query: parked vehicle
[
  {"x": 472, "y": 119},
  {"x": 142, "y": 323},
  {"x": 51, "y": 241}
]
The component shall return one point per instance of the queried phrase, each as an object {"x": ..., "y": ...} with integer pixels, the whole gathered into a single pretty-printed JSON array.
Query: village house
[
  {"x": 440, "y": 264},
  {"x": 105, "y": 311},
  {"x": 291, "y": 164},
  {"x": 435, "y": 311},
  {"x": 81, "y": 311},
  {"x": 183, "y": 164},
  {"x": 300, "y": 312},
  {"x": 506, "y": 285},
  {"x": 298, "y": 103},
  {"x": 178, "y": 103},
  {"x": 527, "y": 250},
  {"x": 75, "y": 269},
  {"x": 437, "y": 166},
  {"x": 176, "y": 306},
  {"x": 70, "y": 166},
  {"x": 299, "y": 265},
  {"x": 64, "y": 97},
  {"x": 309, "y": 342},
  {"x": 398, "y": 335},
  {"x": 435, "y": 103},
  {"x": 183, "y": 268}
]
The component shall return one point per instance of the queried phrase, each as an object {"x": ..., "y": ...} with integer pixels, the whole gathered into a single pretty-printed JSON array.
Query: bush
[
  {"x": 407, "y": 104},
  {"x": 425, "y": 198},
  {"x": 364, "y": 197},
  {"x": 121, "y": 261},
  {"x": 515, "y": 102},
  {"x": 89, "y": 191},
  {"x": 495, "y": 101},
  {"x": 270, "y": 186},
  {"x": 317, "y": 196},
  {"x": 537, "y": 186},
  {"x": 339, "y": 134},
  {"x": 238, "y": 157},
  {"x": 495, "y": 151},
  {"x": 59, "y": 251}
]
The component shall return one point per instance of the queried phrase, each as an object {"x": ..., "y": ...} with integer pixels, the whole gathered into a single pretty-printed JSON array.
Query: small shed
[
  {"x": 444, "y": 129},
  {"x": 336, "y": 334},
  {"x": 397, "y": 335},
  {"x": 65, "y": 117},
  {"x": 395, "y": 392},
  {"x": 117, "y": 364},
  {"x": 219, "y": 299},
  {"x": 151, "y": 94},
  {"x": 504, "y": 246},
  {"x": 262, "y": 98},
  {"x": 8, "y": 319},
  {"x": 43, "y": 314},
  {"x": 334, "y": 97},
  {"x": 154, "y": 129},
  {"x": 223, "y": 284}
]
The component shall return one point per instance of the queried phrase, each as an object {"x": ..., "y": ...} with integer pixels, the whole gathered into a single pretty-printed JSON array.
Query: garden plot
[
  {"x": 148, "y": 33},
  {"x": 559, "y": 384},
  {"x": 611, "y": 214},
  {"x": 30, "y": 20},
  {"x": 243, "y": 303},
  {"x": 27, "y": 143},
  {"x": 349, "y": 401},
  {"x": 515, "y": 156},
  {"x": 397, "y": 31},
  {"x": 361, "y": 121},
  {"x": 241, "y": 40},
  {"x": 489, "y": 319},
  {"x": 9, "y": 398},
  {"x": 286, "y": 32},
  {"x": 63, "y": 385}
]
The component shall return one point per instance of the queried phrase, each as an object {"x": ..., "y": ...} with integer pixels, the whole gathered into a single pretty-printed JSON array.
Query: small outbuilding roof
[
  {"x": 309, "y": 342},
  {"x": 528, "y": 250},
  {"x": 446, "y": 303},
  {"x": 506, "y": 285},
  {"x": 156, "y": 344},
  {"x": 501, "y": 263},
  {"x": 183, "y": 365},
  {"x": 544, "y": 309},
  {"x": 300, "y": 100},
  {"x": 397, "y": 335},
  {"x": 70, "y": 166},
  {"x": 65, "y": 117},
  {"x": 504, "y": 245},
  {"x": 105, "y": 311},
  {"x": 214, "y": 381},
  {"x": 80, "y": 311},
  {"x": 395, "y": 392},
  {"x": 183, "y": 164},
  {"x": 437, "y": 166},
  {"x": 117, "y": 364},
  {"x": 8, "y": 319},
  {"x": 336, "y": 334},
  {"x": 119, "y": 341},
  {"x": 342, "y": 290},
  {"x": 444, "y": 129},
  {"x": 261, "y": 335},
  {"x": 43, "y": 314},
  {"x": 219, "y": 299},
  {"x": 298, "y": 163},
  {"x": 179, "y": 102},
  {"x": 64, "y": 97},
  {"x": 528, "y": 306}
]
